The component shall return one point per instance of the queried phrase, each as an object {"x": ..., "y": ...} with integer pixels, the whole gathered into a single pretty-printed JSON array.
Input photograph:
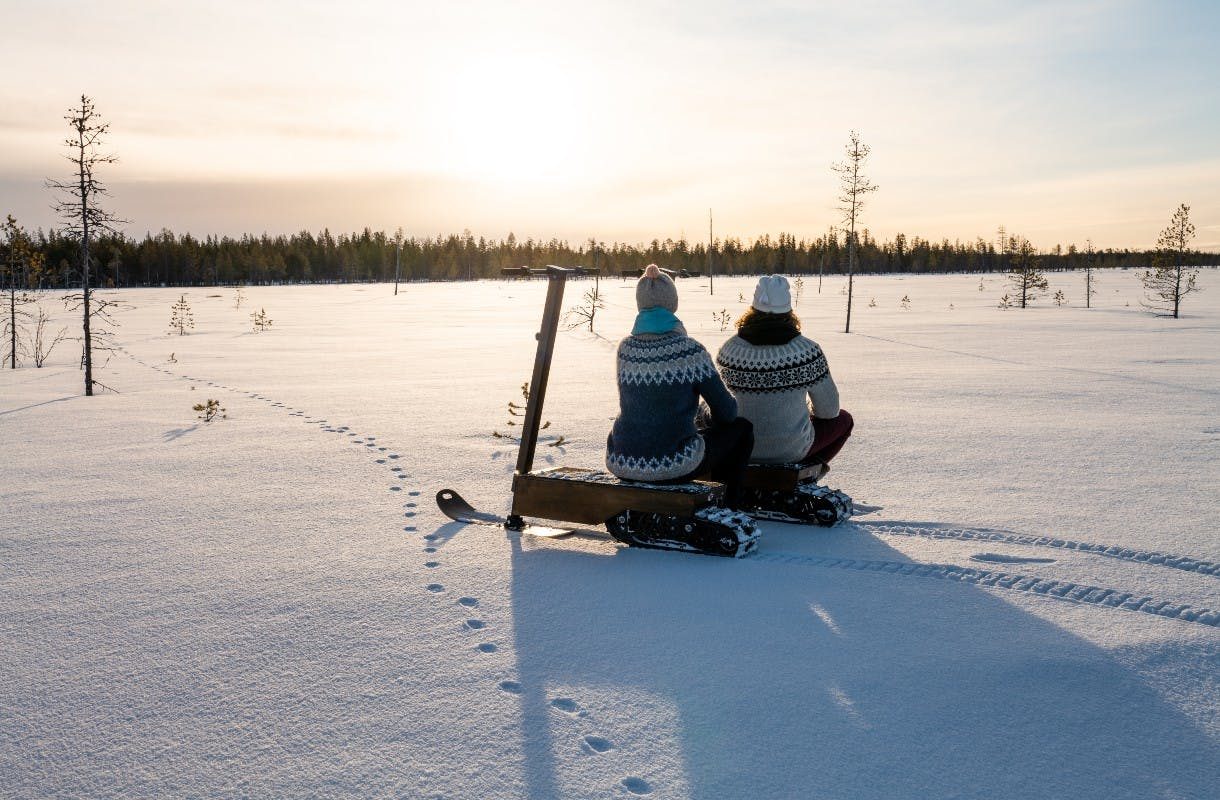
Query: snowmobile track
[
  {"x": 1153, "y": 557},
  {"x": 1012, "y": 581}
]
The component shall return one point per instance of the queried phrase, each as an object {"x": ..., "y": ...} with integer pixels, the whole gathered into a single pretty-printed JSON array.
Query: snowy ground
[{"x": 270, "y": 605}]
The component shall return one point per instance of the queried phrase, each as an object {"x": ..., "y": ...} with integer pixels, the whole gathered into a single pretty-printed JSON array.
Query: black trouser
[{"x": 726, "y": 452}]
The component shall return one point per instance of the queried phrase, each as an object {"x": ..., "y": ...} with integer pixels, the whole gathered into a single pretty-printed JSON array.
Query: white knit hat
[{"x": 772, "y": 295}]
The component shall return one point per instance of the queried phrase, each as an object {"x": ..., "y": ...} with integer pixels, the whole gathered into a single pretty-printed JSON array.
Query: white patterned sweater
[{"x": 771, "y": 383}]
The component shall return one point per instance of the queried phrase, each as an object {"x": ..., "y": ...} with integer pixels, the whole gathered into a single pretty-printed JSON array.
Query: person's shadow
[{"x": 795, "y": 681}]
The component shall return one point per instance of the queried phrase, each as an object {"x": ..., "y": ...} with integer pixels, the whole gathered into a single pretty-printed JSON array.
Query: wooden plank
[
  {"x": 780, "y": 477},
  {"x": 588, "y": 497},
  {"x": 556, "y": 276}
]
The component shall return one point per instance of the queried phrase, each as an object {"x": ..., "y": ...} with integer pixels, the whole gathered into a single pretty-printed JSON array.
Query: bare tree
[
  {"x": 590, "y": 303},
  {"x": 853, "y": 187},
  {"x": 397, "y": 258},
  {"x": 1025, "y": 271},
  {"x": 42, "y": 344},
  {"x": 78, "y": 206},
  {"x": 1171, "y": 279}
]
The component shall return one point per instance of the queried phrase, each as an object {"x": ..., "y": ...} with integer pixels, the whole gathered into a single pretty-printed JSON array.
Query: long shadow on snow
[{"x": 797, "y": 681}]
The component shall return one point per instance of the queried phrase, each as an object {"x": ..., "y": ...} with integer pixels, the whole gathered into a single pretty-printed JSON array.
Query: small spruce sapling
[
  {"x": 1059, "y": 298},
  {"x": 872, "y": 303},
  {"x": 181, "y": 317},
  {"x": 209, "y": 410},
  {"x": 905, "y": 303},
  {"x": 722, "y": 318},
  {"x": 1005, "y": 302},
  {"x": 261, "y": 321},
  {"x": 239, "y": 297},
  {"x": 982, "y": 286},
  {"x": 799, "y": 286}
]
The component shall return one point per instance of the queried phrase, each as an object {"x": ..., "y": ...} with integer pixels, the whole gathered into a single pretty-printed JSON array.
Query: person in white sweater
[{"x": 783, "y": 383}]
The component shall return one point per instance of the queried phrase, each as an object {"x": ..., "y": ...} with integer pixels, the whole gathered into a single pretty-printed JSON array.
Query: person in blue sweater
[{"x": 662, "y": 373}]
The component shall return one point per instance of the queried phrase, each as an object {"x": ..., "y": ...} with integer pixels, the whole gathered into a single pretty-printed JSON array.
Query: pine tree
[
  {"x": 181, "y": 318},
  {"x": 1025, "y": 271},
  {"x": 21, "y": 266},
  {"x": 82, "y": 215},
  {"x": 1171, "y": 279},
  {"x": 260, "y": 320}
]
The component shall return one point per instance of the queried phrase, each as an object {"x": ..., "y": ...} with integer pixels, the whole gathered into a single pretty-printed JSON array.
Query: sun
[{"x": 513, "y": 118}]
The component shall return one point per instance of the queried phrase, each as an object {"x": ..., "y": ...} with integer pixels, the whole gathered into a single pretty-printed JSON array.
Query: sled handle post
[{"x": 556, "y": 277}]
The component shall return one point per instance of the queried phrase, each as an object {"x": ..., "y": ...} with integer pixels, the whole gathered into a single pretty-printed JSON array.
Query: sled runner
[{"x": 671, "y": 517}]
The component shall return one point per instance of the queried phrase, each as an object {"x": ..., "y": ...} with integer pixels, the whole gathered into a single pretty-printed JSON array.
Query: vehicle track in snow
[
  {"x": 1151, "y": 557},
  {"x": 1012, "y": 581}
]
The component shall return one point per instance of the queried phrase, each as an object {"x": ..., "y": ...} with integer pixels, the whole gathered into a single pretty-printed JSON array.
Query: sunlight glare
[{"x": 517, "y": 118}]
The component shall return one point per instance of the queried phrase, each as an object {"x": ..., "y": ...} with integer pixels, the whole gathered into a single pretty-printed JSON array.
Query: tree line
[{"x": 184, "y": 260}]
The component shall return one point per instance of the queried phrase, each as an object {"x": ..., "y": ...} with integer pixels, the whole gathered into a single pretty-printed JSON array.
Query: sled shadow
[{"x": 792, "y": 680}]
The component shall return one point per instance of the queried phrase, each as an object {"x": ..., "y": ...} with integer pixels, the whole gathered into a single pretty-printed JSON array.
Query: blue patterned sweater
[{"x": 660, "y": 380}]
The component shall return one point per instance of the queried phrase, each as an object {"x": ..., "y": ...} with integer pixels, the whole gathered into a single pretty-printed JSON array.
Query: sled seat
[
  {"x": 781, "y": 477},
  {"x": 593, "y": 496}
]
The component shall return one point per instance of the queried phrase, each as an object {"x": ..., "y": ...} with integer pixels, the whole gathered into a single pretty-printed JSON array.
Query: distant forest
[{"x": 183, "y": 260}]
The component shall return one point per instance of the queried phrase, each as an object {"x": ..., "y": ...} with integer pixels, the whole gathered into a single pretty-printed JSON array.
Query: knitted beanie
[
  {"x": 656, "y": 289},
  {"x": 772, "y": 295}
]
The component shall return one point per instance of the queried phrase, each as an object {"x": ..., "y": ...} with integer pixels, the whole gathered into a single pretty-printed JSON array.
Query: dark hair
[{"x": 753, "y": 317}]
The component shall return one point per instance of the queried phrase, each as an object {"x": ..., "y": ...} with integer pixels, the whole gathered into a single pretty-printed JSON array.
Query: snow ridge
[
  {"x": 1017, "y": 582},
  {"x": 1186, "y": 563}
]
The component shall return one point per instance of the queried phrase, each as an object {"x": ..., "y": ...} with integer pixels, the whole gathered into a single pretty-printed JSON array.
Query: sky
[{"x": 625, "y": 121}]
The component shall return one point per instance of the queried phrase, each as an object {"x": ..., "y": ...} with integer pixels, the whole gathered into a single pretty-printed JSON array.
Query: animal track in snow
[
  {"x": 432, "y": 564},
  {"x": 475, "y": 624},
  {"x": 597, "y": 744},
  {"x": 435, "y": 587},
  {"x": 469, "y": 602},
  {"x": 486, "y": 647},
  {"x": 636, "y": 785},
  {"x": 566, "y": 705},
  {"x": 512, "y": 687}
]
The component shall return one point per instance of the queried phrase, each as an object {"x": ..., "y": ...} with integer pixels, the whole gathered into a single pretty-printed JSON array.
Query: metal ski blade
[
  {"x": 545, "y": 532},
  {"x": 453, "y": 505}
]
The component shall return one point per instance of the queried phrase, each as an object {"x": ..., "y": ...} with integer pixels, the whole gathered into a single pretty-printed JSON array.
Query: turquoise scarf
[{"x": 657, "y": 319}]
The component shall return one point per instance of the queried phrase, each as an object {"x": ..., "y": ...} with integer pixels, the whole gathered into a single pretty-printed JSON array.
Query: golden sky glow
[{"x": 625, "y": 120}]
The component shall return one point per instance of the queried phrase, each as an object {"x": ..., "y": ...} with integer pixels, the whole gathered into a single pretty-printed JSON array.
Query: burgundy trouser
[{"x": 829, "y": 436}]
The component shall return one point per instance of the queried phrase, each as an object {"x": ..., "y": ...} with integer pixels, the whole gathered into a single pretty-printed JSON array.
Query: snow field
[{"x": 270, "y": 604}]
